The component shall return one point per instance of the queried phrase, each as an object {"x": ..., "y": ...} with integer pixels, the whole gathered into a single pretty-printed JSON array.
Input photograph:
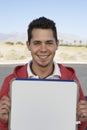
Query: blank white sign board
[{"x": 43, "y": 105}]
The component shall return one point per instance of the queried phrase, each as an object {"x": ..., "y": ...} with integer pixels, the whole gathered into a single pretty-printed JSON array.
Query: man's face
[{"x": 43, "y": 47}]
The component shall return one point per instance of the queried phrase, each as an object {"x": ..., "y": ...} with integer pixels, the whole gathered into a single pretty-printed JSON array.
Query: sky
[{"x": 70, "y": 16}]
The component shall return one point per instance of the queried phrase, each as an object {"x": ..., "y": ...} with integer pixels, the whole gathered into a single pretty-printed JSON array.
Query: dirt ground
[{"x": 20, "y": 54}]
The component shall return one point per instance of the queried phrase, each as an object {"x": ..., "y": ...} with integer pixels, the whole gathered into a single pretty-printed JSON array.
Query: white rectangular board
[{"x": 43, "y": 104}]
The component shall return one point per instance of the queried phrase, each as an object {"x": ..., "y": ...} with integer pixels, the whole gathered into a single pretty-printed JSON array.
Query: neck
[{"x": 42, "y": 72}]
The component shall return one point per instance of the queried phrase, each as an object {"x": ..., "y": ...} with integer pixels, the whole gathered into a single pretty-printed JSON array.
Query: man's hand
[
  {"x": 82, "y": 111},
  {"x": 4, "y": 108}
]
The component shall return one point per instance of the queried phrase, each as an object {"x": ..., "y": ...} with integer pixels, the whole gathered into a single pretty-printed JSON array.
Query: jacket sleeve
[
  {"x": 83, "y": 125},
  {"x": 5, "y": 89},
  {"x": 3, "y": 126},
  {"x": 81, "y": 96}
]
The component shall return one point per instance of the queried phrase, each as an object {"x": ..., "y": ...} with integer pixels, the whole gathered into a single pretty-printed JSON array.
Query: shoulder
[
  {"x": 18, "y": 72},
  {"x": 67, "y": 72}
]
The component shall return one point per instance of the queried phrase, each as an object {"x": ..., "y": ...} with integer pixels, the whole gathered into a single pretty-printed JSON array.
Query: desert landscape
[{"x": 18, "y": 53}]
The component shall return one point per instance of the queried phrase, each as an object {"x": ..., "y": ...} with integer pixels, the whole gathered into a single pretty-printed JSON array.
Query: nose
[{"x": 43, "y": 47}]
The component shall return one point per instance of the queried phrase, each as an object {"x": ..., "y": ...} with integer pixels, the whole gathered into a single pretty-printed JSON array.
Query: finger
[
  {"x": 4, "y": 117},
  {"x": 4, "y": 111},
  {"x": 82, "y": 119},
  {"x": 84, "y": 113},
  {"x": 7, "y": 108},
  {"x": 5, "y": 100},
  {"x": 82, "y": 105},
  {"x": 82, "y": 102}
]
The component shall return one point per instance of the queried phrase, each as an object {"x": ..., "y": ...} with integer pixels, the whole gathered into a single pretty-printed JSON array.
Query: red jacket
[{"x": 67, "y": 73}]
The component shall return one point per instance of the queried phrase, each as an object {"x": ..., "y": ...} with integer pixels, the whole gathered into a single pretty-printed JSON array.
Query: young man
[{"x": 43, "y": 43}]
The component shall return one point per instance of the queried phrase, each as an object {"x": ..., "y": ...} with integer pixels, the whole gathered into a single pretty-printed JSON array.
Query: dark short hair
[{"x": 42, "y": 23}]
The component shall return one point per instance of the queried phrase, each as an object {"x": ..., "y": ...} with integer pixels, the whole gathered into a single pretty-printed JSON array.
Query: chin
[{"x": 43, "y": 64}]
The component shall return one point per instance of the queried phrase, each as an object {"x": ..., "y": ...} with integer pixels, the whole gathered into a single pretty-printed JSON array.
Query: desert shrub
[
  {"x": 9, "y": 43},
  {"x": 86, "y": 46},
  {"x": 19, "y": 43}
]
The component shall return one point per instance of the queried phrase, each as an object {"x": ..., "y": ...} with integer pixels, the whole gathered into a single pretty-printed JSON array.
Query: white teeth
[{"x": 41, "y": 56}]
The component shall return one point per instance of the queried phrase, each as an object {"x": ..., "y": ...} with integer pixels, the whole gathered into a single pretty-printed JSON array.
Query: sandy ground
[{"x": 10, "y": 54}]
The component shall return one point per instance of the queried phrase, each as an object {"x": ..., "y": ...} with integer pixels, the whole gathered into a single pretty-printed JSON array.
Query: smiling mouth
[{"x": 43, "y": 57}]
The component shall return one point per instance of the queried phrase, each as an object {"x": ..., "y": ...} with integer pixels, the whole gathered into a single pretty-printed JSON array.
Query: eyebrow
[{"x": 45, "y": 41}]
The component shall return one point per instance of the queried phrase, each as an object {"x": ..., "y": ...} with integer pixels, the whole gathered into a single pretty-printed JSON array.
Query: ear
[{"x": 28, "y": 45}]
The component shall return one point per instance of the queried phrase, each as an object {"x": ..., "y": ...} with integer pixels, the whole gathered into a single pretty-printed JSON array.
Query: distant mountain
[
  {"x": 72, "y": 39},
  {"x": 64, "y": 38},
  {"x": 14, "y": 37}
]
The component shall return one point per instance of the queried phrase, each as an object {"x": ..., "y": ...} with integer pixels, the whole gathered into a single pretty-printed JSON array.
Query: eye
[
  {"x": 50, "y": 42},
  {"x": 36, "y": 42}
]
